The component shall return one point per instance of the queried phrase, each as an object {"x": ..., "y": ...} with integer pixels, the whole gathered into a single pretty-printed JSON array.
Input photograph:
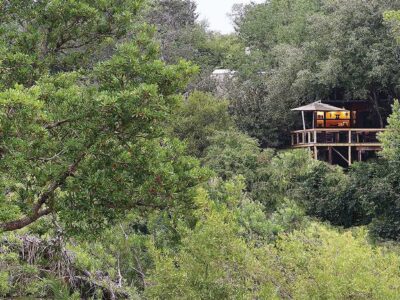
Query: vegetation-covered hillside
[{"x": 128, "y": 172}]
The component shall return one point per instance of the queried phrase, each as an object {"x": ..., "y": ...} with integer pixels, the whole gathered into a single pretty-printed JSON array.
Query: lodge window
[{"x": 335, "y": 119}]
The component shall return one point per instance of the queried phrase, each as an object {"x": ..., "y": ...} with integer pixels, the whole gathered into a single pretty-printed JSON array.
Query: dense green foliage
[
  {"x": 124, "y": 175},
  {"x": 307, "y": 50},
  {"x": 391, "y": 138},
  {"x": 41, "y": 37},
  {"x": 87, "y": 144},
  {"x": 182, "y": 35},
  {"x": 199, "y": 118},
  {"x": 214, "y": 262}
]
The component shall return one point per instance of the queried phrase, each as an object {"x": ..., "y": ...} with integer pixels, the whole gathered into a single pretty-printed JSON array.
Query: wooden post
[
  {"x": 303, "y": 136},
  {"x": 330, "y": 155},
  {"x": 313, "y": 119},
  {"x": 292, "y": 137},
  {"x": 315, "y": 152},
  {"x": 350, "y": 158},
  {"x": 315, "y": 136},
  {"x": 304, "y": 120},
  {"x": 359, "y": 155}
]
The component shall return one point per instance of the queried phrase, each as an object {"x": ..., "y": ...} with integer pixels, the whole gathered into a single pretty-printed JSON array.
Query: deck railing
[{"x": 336, "y": 136}]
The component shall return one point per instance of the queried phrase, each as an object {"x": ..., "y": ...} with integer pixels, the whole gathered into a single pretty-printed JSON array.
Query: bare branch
[
  {"x": 53, "y": 157},
  {"x": 56, "y": 124}
]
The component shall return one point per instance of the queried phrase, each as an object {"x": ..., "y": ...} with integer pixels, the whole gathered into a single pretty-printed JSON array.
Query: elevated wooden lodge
[{"x": 337, "y": 135}]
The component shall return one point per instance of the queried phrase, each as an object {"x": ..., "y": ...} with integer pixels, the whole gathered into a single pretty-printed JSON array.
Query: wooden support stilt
[
  {"x": 315, "y": 136},
  {"x": 313, "y": 119},
  {"x": 350, "y": 158},
  {"x": 350, "y": 140}
]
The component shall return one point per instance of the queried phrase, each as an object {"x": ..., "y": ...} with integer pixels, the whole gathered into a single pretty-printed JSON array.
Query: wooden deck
[{"x": 335, "y": 139}]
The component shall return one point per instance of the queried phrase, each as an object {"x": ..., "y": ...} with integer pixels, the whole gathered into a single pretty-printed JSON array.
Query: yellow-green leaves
[
  {"x": 391, "y": 137},
  {"x": 214, "y": 262},
  {"x": 321, "y": 263}
]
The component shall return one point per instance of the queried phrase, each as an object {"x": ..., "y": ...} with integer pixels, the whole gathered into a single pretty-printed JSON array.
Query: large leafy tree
[
  {"x": 39, "y": 37},
  {"x": 391, "y": 138},
  {"x": 384, "y": 182},
  {"x": 182, "y": 34},
  {"x": 265, "y": 25},
  {"x": 262, "y": 95},
  {"x": 358, "y": 58},
  {"x": 176, "y": 25},
  {"x": 81, "y": 134}
]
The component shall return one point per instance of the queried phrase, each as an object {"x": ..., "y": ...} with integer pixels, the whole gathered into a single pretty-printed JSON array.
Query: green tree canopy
[
  {"x": 199, "y": 118},
  {"x": 43, "y": 37},
  {"x": 391, "y": 137},
  {"x": 87, "y": 144}
]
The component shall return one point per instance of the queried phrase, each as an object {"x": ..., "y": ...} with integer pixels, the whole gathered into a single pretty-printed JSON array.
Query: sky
[{"x": 216, "y": 12}]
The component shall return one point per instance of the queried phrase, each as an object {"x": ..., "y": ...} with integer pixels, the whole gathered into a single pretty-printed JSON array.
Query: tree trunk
[
  {"x": 375, "y": 104},
  {"x": 38, "y": 210},
  {"x": 25, "y": 221}
]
